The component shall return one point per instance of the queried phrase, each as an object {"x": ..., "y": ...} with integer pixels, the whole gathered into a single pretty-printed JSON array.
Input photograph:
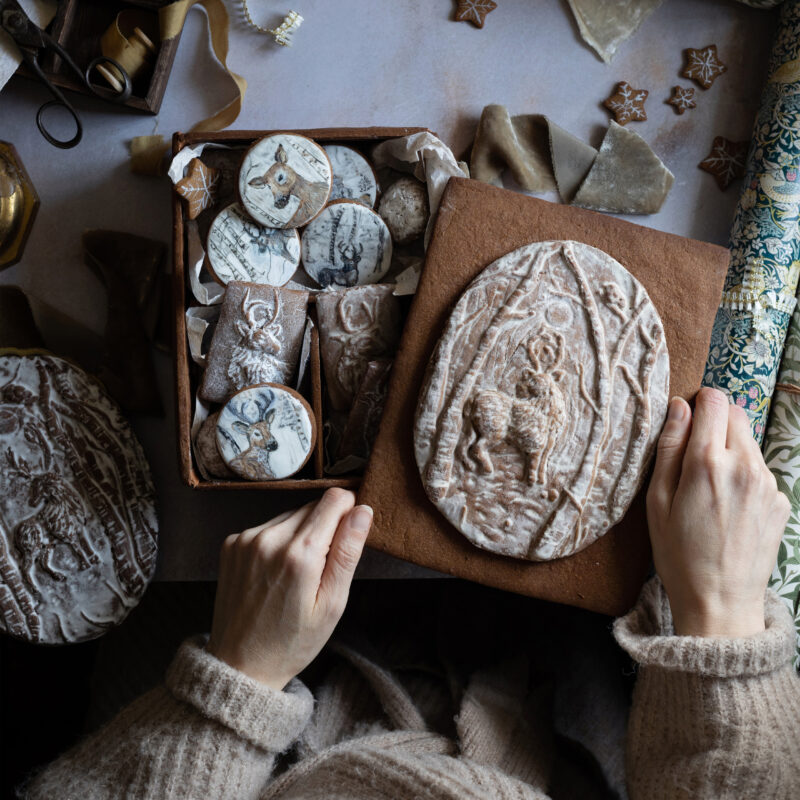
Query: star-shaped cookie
[
  {"x": 682, "y": 99},
  {"x": 627, "y": 104},
  {"x": 703, "y": 66},
  {"x": 474, "y": 11},
  {"x": 726, "y": 161},
  {"x": 198, "y": 187}
]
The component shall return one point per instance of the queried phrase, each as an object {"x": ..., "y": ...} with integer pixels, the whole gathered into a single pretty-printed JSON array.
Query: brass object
[{"x": 18, "y": 205}]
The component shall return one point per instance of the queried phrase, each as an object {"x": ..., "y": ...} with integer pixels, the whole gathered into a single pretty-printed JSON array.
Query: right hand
[
  {"x": 283, "y": 587},
  {"x": 716, "y": 518}
]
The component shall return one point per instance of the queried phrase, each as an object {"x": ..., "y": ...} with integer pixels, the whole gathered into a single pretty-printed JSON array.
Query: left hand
[{"x": 283, "y": 587}]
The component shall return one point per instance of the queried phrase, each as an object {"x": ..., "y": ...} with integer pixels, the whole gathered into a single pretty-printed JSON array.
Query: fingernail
[
  {"x": 361, "y": 518},
  {"x": 677, "y": 410}
]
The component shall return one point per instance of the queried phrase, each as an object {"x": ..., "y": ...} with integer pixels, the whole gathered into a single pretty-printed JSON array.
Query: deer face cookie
[
  {"x": 284, "y": 180},
  {"x": 78, "y": 525},
  {"x": 240, "y": 249},
  {"x": 257, "y": 339},
  {"x": 266, "y": 432},
  {"x": 356, "y": 326},
  {"x": 353, "y": 177},
  {"x": 348, "y": 244},
  {"x": 543, "y": 401}
]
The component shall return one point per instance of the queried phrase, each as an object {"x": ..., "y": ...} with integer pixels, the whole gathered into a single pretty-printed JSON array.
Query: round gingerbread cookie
[
  {"x": 78, "y": 526},
  {"x": 284, "y": 180},
  {"x": 348, "y": 244},
  {"x": 241, "y": 249},
  {"x": 206, "y": 450},
  {"x": 353, "y": 177},
  {"x": 543, "y": 401},
  {"x": 266, "y": 432}
]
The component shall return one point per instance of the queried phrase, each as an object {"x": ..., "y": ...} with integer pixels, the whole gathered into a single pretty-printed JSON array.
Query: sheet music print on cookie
[
  {"x": 543, "y": 401},
  {"x": 266, "y": 432},
  {"x": 353, "y": 177},
  {"x": 78, "y": 524},
  {"x": 240, "y": 249},
  {"x": 284, "y": 180}
]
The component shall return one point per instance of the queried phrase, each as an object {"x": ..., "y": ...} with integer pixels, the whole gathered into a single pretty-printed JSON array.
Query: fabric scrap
[{"x": 572, "y": 160}]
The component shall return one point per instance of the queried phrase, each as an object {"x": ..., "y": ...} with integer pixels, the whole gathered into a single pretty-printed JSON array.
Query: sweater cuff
[
  {"x": 648, "y": 635},
  {"x": 265, "y": 717}
]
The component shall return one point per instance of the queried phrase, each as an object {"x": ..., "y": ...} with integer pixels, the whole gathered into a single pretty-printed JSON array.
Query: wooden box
[
  {"x": 78, "y": 26},
  {"x": 187, "y": 373}
]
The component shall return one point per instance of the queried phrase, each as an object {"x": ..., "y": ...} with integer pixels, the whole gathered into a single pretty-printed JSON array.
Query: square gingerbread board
[{"x": 477, "y": 224}]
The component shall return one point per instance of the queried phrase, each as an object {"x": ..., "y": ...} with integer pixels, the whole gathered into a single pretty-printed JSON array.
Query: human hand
[
  {"x": 283, "y": 587},
  {"x": 716, "y": 518}
]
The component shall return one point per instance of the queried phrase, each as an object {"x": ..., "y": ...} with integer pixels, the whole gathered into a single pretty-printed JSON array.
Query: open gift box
[
  {"x": 476, "y": 225},
  {"x": 188, "y": 374}
]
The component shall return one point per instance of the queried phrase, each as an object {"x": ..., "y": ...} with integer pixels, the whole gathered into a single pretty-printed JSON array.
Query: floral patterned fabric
[
  {"x": 751, "y": 324},
  {"x": 782, "y": 454}
]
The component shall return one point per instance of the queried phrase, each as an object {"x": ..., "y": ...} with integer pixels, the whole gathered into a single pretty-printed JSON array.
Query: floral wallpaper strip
[
  {"x": 782, "y": 454},
  {"x": 753, "y": 318}
]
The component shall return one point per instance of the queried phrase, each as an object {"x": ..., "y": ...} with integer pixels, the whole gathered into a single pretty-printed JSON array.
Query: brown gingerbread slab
[{"x": 476, "y": 225}]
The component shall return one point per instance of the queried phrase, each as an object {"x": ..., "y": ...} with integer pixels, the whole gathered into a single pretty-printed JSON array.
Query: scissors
[{"x": 30, "y": 38}]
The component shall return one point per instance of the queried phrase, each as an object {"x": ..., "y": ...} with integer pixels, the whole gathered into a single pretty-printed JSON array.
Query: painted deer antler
[{"x": 251, "y": 307}]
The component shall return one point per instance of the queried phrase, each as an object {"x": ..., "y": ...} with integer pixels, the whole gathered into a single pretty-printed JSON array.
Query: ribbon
[{"x": 127, "y": 41}]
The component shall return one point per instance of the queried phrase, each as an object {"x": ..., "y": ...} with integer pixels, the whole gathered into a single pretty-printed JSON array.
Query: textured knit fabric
[{"x": 712, "y": 718}]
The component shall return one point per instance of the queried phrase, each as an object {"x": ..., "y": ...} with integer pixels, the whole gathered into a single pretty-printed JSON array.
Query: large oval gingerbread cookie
[
  {"x": 78, "y": 524},
  {"x": 543, "y": 401}
]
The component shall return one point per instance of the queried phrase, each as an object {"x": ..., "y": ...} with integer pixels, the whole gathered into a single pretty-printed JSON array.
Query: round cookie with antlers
[{"x": 266, "y": 432}]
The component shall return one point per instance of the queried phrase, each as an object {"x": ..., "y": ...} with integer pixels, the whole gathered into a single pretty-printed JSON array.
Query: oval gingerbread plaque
[{"x": 543, "y": 401}]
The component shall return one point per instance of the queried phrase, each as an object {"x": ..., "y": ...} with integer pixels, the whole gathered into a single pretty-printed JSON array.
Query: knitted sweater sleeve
[
  {"x": 208, "y": 732},
  {"x": 711, "y": 717}
]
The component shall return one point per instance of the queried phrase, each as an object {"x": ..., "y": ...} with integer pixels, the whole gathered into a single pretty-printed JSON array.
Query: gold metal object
[{"x": 18, "y": 205}]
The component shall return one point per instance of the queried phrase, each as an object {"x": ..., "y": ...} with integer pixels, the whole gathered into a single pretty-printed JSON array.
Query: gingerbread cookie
[
  {"x": 474, "y": 11},
  {"x": 207, "y": 452},
  {"x": 627, "y": 104},
  {"x": 78, "y": 526},
  {"x": 404, "y": 209},
  {"x": 348, "y": 244},
  {"x": 356, "y": 326},
  {"x": 240, "y": 249},
  {"x": 362, "y": 424},
  {"x": 198, "y": 187},
  {"x": 682, "y": 99},
  {"x": 266, "y": 432},
  {"x": 353, "y": 177},
  {"x": 543, "y": 401},
  {"x": 726, "y": 161},
  {"x": 284, "y": 180},
  {"x": 703, "y": 66},
  {"x": 257, "y": 339}
]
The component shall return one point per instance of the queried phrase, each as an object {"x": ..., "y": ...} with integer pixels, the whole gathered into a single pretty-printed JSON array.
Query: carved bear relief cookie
[
  {"x": 543, "y": 401},
  {"x": 284, "y": 180},
  {"x": 356, "y": 326},
  {"x": 266, "y": 432},
  {"x": 353, "y": 177},
  {"x": 257, "y": 339},
  {"x": 78, "y": 526}
]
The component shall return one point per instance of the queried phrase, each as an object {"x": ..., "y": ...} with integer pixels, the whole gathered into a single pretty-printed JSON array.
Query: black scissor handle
[
  {"x": 112, "y": 95},
  {"x": 64, "y": 144}
]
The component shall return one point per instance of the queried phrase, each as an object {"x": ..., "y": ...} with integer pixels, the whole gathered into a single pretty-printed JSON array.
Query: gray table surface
[{"x": 379, "y": 63}]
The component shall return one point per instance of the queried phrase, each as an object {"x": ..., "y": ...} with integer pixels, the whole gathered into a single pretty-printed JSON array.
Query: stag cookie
[
  {"x": 284, "y": 180},
  {"x": 257, "y": 339},
  {"x": 353, "y": 177},
  {"x": 348, "y": 244},
  {"x": 239, "y": 249},
  {"x": 266, "y": 432},
  {"x": 78, "y": 525},
  {"x": 543, "y": 401},
  {"x": 356, "y": 326}
]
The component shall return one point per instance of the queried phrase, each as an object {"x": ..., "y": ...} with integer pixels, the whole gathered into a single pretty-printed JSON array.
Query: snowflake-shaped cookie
[
  {"x": 703, "y": 66},
  {"x": 627, "y": 104},
  {"x": 474, "y": 11},
  {"x": 682, "y": 99},
  {"x": 726, "y": 161},
  {"x": 198, "y": 187}
]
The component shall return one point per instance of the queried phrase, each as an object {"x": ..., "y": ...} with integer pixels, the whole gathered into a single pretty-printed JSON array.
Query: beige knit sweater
[{"x": 711, "y": 718}]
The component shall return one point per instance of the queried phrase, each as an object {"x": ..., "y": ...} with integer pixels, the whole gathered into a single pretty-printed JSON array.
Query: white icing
[
  {"x": 348, "y": 244},
  {"x": 265, "y": 433},
  {"x": 353, "y": 177},
  {"x": 284, "y": 180},
  {"x": 241, "y": 249}
]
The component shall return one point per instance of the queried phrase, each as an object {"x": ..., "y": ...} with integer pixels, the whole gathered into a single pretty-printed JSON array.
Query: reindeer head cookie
[{"x": 257, "y": 339}]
